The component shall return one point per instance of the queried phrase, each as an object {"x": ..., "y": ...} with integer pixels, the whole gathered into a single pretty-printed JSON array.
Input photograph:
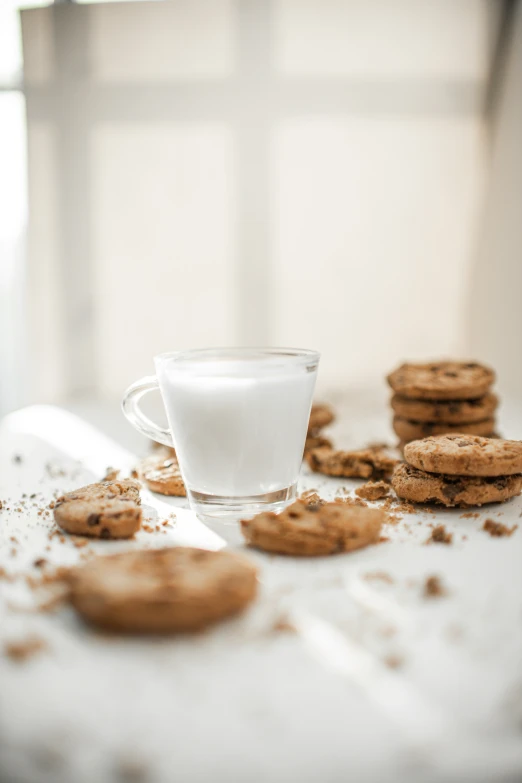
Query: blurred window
[{"x": 231, "y": 167}]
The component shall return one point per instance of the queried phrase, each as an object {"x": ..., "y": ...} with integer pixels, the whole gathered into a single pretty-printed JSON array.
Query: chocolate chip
[
  {"x": 471, "y": 366},
  {"x": 450, "y": 374},
  {"x": 93, "y": 519},
  {"x": 451, "y": 490},
  {"x": 105, "y": 532},
  {"x": 454, "y": 407}
]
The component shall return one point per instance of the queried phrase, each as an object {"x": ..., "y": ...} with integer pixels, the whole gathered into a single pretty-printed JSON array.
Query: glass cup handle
[{"x": 132, "y": 411}]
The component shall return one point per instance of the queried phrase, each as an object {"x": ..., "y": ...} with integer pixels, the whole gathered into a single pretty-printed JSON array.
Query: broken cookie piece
[
  {"x": 371, "y": 462},
  {"x": 161, "y": 473},
  {"x": 373, "y": 490}
]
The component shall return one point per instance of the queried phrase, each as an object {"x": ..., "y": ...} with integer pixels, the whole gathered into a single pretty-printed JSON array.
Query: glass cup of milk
[{"x": 238, "y": 419}]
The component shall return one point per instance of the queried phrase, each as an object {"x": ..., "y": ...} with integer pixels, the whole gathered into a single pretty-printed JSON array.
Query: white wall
[
  {"x": 302, "y": 172},
  {"x": 495, "y": 292}
]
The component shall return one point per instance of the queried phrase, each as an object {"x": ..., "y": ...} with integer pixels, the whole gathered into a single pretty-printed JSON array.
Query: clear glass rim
[{"x": 294, "y": 356}]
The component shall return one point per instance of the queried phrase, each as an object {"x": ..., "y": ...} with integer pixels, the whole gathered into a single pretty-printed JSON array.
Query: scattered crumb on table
[
  {"x": 381, "y": 576},
  {"x": 433, "y": 587},
  {"x": 440, "y": 535},
  {"x": 373, "y": 490},
  {"x": 497, "y": 529},
  {"x": 24, "y": 648}
]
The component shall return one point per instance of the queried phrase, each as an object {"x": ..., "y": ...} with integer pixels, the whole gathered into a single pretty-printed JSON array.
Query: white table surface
[{"x": 244, "y": 702}]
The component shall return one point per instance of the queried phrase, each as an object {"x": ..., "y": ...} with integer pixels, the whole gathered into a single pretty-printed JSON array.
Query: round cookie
[
  {"x": 373, "y": 461},
  {"x": 412, "y": 484},
  {"x": 414, "y": 430},
  {"x": 443, "y": 380},
  {"x": 320, "y": 416},
  {"x": 161, "y": 473},
  {"x": 162, "y": 590},
  {"x": 109, "y": 509},
  {"x": 466, "y": 455},
  {"x": 309, "y": 529},
  {"x": 447, "y": 411}
]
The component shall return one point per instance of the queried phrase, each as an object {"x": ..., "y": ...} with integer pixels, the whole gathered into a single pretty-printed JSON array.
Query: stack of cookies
[
  {"x": 442, "y": 397},
  {"x": 459, "y": 470}
]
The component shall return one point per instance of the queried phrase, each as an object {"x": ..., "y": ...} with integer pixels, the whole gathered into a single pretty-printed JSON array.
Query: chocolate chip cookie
[
  {"x": 161, "y": 473},
  {"x": 420, "y": 487},
  {"x": 466, "y": 455},
  {"x": 309, "y": 529},
  {"x": 162, "y": 590},
  {"x": 109, "y": 509},
  {"x": 444, "y": 380},
  {"x": 446, "y": 411},
  {"x": 371, "y": 462},
  {"x": 413, "y": 430}
]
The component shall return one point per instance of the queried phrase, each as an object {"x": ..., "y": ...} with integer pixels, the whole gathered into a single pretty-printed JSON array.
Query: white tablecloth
[{"x": 374, "y": 683}]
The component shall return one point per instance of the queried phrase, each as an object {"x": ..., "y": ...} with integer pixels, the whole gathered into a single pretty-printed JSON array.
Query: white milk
[{"x": 239, "y": 427}]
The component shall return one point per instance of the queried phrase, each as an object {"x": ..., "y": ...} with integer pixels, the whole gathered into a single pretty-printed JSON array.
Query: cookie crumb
[
  {"x": 497, "y": 529},
  {"x": 470, "y": 515},
  {"x": 373, "y": 490},
  {"x": 283, "y": 625},
  {"x": 433, "y": 587},
  {"x": 394, "y": 661},
  {"x": 380, "y": 576},
  {"x": 111, "y": 474},
  {"x": 439, "y": 535},
  {"x": 22, "y": 650},
  {"x": 312, "y": 499},
  {"x": 349, "y": 501}
]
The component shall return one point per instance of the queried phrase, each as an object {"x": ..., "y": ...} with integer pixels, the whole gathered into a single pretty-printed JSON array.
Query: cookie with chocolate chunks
[
  {"x": 446, "y": 411},
  {"x": 162, "y": 590},
  {"x": 371, "y": 462},
  {"x": 309, "y": 529},
  {"x": 420, "y": 487},
  {"x": 414, "y": 430},
  {"x": 443, "y": 380},
  {"x": 160, "y": 472},
  {"x": 466, "y": 455},
  {"x": 108, "y": 509}
]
